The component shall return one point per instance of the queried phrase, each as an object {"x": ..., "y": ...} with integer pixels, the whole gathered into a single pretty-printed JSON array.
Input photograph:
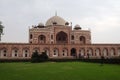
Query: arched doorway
[
  {"x": 36, "y": 49},
  {"x": 46, "y": 50},
  {"x": 105, "y": 52},
  {"x": 97, "y": 52},
  {"x": 72, "y": 37},
  {"x": 26, "y": 52},
  {"x": 55, "y": 52},
  {"x": 31, "y": 36},
  {"x": 82, "y": 40},
  {"x": 64, "y": 52},
  {"x": 15, "y": 52},
  {"x": 112, "y": 52},
  {"x": 90, "y": 52},
  {"x": 42, "y": 39},
  {"x": 61, "y": 37},
  {"x": 73, "y": 52},
  {"x": 3, "y": 52},
  {"x": 82, "y": 52}
]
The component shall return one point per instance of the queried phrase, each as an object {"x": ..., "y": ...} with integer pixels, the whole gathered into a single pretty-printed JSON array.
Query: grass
[{"x": 59, "y": 71}]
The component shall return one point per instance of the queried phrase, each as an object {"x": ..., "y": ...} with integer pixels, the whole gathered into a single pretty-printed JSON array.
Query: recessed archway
[
  {"x": 72, "y": 37},
  {"x": 55, "y": 52},
  {"x": 65, "y": 52},
  {"x": 105, "y": 52},
  {"x": 42, "y": 39},
  {"x": 26, "y": 52},
  {"x": 82, "y": 40},
  {"x": 82, "y": 52},
  {"x": 61, "y": 37},
  {"x": 90, "y": 52},
  {"x": 97, "y": 52},
  {"x": 3, "y": 52},
  {"x": 47, "y": 51},
  {"x": 73, "y": 52},
  {"x": 112, "y": 52},
  {"x": 15, "y": 52},
  {"x": 36, "y": 49}
]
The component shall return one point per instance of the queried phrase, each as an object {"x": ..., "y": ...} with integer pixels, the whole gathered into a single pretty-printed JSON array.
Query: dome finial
[{"x": 55, "y": 13}]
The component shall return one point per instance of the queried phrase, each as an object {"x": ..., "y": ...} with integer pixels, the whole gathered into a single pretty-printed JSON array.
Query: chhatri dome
[
  {"x": 77, "y": 27},
  {"x": 55, "y": 20}
]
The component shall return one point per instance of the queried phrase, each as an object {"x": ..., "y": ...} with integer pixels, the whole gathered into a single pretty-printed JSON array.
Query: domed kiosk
[
  {"x": 77, "y": 27},
  {"x": 55, "y": 20},
  {"x": 40, "y": 25}
]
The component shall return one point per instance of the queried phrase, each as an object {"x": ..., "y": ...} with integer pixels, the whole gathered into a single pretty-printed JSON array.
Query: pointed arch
[
  {"x": 31, "y": 36},
  {"x": 47, "y": 51},
  {"x": 90, "y": 52},
  {"x": 3, "y": 52},
  {"x": 105, "y": 52},
  {"x": 82, "y": 40},
  {"x": 15, "y": 52},
  {"x": 42, "y": 39},
  {"x": 61, "y": 37},
  {"x": 65, "y": 52},
  {"x": 26, "y": 52},
  {"x": 82, "y": 52},
  {"x": 72, "y": 37},
  {"x": 97, "y": 52},
  {"x": 73, "y": 52},
  {"x": 55, "y": 52},
  {"x": 112, "y": 52},
  {"x": 36, "y": 49}
]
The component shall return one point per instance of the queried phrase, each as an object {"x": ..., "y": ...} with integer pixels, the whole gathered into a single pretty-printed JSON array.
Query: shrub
[
  {"x": 43, "y": 57},
  {"x": 36, "y": 57}
]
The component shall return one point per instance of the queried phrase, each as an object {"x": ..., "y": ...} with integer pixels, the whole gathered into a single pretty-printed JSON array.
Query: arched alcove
[{"x": 61, "y": 37}]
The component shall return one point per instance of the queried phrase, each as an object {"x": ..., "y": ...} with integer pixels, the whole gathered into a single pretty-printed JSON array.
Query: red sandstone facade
[{"x": 58, "y": 40}]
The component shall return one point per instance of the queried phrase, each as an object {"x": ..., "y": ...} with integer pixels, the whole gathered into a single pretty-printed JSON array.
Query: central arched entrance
[
  {"x": 73, "y": 52},
  {"x": 61, "y": 37}
]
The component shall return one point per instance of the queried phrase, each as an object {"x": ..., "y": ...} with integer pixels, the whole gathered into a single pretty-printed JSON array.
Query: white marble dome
[{"x": 55, "y": 20}]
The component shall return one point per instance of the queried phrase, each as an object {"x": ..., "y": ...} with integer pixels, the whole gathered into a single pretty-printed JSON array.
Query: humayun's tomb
[{"x": 57, "y": 38}]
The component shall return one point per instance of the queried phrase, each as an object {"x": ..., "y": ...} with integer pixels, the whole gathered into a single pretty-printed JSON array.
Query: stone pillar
[
  {"x": 109, "y": 52},
  {"x": 60, "y": 53},
  {"x": 77, "y": 52},
  {"x": 86, "y": 52},
  {"x": 9, "y": 52},
  {"x": 116, "y": 51},
  {"x": 51, "y": 51},
  {"x": 20, "y": 54},
  {"x": 94, "y": 54},
  {"x": 69, "y": 51}
]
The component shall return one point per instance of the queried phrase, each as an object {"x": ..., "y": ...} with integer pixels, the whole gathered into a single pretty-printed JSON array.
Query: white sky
[{"x": 101, "y": 16}]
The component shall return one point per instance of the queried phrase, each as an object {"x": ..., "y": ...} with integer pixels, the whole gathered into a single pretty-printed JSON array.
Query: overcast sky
[{"x": 102, "y": 17}]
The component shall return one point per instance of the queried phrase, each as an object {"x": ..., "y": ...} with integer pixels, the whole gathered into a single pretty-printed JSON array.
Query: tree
[{"x": 1, "y": 29}]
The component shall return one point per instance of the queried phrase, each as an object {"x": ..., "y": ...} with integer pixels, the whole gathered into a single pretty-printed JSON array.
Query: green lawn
[{"x": 59, "y": 71}]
